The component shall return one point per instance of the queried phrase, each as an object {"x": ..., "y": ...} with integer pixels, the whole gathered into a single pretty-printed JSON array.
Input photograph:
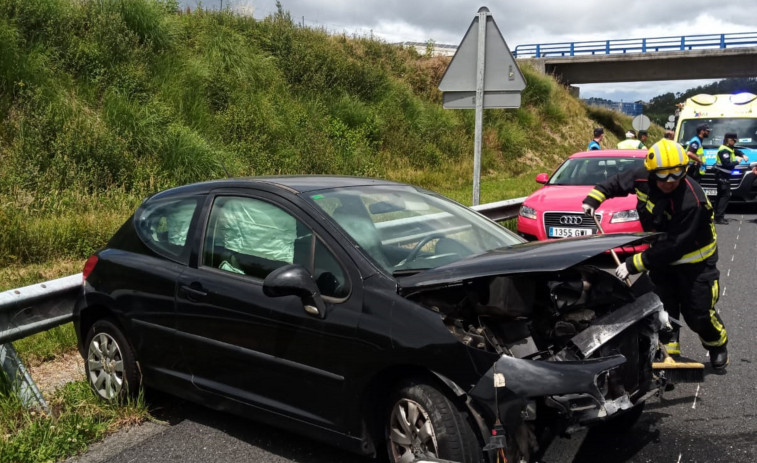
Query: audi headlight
[
  {"x": 528, "y": 212},
  {"x": 625, "y": 216}
]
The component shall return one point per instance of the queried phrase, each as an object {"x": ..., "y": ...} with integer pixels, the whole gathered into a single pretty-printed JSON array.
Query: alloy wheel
[
  {"x": 411, "y": 433},
  {"x": 105, "y": 366}
]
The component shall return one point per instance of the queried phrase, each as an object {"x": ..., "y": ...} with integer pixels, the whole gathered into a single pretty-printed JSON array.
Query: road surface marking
[{"x": 694, "y": 405}]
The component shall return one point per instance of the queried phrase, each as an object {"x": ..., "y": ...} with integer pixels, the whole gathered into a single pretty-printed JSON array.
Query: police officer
[
  {"x": 724, "y": 164},
  {"x": 599, "y": 134},
  {"x": 695, "y": 152},
  {"x": 682, "y": 262}
]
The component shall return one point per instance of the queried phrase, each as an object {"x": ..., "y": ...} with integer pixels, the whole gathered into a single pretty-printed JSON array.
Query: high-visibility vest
[
  {"x": 700, "y": 152},
  {"x": 719, "y": 164},
  {"x": 629, "y": 144}
]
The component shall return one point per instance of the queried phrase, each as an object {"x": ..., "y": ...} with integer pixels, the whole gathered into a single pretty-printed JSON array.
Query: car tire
[
  {"x": 109, "y": 363},
  {"x": 423, "y": 422}
]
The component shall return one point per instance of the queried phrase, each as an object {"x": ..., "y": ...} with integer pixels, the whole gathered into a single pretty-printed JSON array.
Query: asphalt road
[{"x": 713, "y": 421}]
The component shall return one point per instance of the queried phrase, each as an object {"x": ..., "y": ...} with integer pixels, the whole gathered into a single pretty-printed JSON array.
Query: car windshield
[
  {"x": 745, "y": 128},
  {"x": 592, "y": 170},
  {"x": 406, "y": 229}
]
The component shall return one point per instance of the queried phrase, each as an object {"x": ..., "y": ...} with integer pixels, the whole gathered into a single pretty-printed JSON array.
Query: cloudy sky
[{"x": 521, "y": 22}]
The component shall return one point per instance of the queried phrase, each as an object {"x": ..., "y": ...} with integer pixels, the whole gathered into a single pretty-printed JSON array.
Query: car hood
[
  {"x": 570, "y": 197},
  {"x": 536, "y": 256}
]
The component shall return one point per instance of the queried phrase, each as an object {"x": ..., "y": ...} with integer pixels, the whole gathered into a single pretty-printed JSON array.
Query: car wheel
[
  {"x": 423, "y": 423},
  {"x": 110, "y": 364}
]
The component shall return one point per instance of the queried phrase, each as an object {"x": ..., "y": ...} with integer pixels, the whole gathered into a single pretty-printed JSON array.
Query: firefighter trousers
[{"x": 692, "y": 290}]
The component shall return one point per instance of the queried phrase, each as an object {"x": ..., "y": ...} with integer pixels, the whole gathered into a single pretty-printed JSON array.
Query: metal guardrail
[
  {"x": 30, "y": 310},
  {"x": 641, "y": 45},
  {"x": 501, "y": 210},
  {"x": 39, "y": 307}
]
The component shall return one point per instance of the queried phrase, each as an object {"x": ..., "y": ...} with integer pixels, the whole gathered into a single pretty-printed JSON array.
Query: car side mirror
[
  {"x": 295, "y": 280},
  {"x": 542, "y": 178}
]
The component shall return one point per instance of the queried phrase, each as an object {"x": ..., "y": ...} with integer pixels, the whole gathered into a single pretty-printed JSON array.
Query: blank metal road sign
[{"x": 503, "y": 81}]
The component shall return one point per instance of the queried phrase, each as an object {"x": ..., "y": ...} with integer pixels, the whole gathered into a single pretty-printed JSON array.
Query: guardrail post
[
  {"x": 538, "y": 48},
  {"x": 722, "y": 40},
  {"x": 683, "y": 43},
  {"x": 19, "y": 378},
  {"x": 643, "y": 45},
  {"x": 572, "y": 49}
]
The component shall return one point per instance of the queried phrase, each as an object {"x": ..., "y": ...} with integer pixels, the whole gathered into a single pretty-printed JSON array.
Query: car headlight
[
  {"x": 625, "y": 216},
  {"x": 527, "y": 212}
]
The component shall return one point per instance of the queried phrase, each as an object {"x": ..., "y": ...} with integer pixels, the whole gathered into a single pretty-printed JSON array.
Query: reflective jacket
[
  {"x": 726, "y": 160},
  {"x": 695, "y": 146},
  {"x": 630, "y": 144},
  {"x": 685, "y": 216}
]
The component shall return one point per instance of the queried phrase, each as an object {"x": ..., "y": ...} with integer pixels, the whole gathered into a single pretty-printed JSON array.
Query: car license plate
[
  {"x": 710, "y": 191},
  {"x": 561, "y": 232}
]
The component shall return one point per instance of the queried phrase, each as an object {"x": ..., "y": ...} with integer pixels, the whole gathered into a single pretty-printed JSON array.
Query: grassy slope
[{"x": 103, "y": 103}]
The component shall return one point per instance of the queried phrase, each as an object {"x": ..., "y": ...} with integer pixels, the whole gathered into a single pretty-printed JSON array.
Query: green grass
[{"x": 78, "y": 419}]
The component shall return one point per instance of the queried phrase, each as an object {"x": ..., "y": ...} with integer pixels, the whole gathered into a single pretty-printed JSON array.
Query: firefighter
[
  {"x": 724, "y": 164},
  {"x": 682, "y": 262},
  {"x": 695, "y": 152}
]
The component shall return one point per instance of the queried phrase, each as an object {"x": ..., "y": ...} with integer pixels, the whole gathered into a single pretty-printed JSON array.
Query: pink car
[{"x": 554, "y": 210}]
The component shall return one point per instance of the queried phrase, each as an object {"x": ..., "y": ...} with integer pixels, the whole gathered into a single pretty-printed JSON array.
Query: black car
[{"x": 374, "y": 315}]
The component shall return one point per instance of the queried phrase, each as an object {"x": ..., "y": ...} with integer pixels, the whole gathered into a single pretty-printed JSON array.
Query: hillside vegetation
[{"x": 105, "y": 102}]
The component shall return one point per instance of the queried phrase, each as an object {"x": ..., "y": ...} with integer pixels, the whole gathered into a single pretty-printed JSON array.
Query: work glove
[
  {"x": 622, "y": 271},
  {"x": 665, "y": 321},
  {"x": 588, "y": 210}
]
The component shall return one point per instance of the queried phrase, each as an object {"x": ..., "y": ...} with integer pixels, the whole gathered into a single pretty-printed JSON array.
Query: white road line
[
  {"x": 724, "y": 290},
  {"x": 679, "y": 457},
  {"x": 734, "y": 246},
  {"x": 732, "y": 256},
  {"x": 729, "y": 273},
  {"x": 694, "y": 405}
]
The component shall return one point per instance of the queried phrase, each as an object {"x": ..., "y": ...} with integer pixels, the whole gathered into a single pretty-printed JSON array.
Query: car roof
[
  {"x": 610, "y": 154},
  {"x": 292, "y": 183}
]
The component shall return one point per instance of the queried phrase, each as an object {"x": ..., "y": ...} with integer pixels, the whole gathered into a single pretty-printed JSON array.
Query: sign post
[{"x": 481, "y": 75}]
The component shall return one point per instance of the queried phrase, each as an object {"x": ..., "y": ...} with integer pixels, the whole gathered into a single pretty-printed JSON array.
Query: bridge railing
[{"x": 640, "y": 45}]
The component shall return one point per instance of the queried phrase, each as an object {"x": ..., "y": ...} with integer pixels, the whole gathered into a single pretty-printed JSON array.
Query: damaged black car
[{"x": 373, "y": 315}]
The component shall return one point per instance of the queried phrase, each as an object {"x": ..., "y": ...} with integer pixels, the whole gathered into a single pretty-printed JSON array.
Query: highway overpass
[
  {"x": 677, "y": 65},
  {"x": 714, "y": 56}
]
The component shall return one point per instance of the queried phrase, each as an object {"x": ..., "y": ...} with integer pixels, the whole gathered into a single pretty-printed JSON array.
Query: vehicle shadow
[
  {"x": 283, "y": 446},
  {"x": 603, "y": 446}
]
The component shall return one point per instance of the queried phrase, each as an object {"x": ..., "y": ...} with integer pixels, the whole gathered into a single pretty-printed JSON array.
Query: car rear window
[
  {"x": 592, "y": 170},
  {"x": 164, "y": 225}
]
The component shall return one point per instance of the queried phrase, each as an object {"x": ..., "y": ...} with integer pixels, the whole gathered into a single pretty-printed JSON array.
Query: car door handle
[{"x": 193, "y": 294}]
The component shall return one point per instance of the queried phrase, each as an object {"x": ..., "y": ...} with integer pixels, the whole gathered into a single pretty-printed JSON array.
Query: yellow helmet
[{"x": 667, "y": 160}]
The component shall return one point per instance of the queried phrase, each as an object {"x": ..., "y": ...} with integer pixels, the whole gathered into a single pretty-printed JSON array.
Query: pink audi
[{"x": 554, "y": 210}]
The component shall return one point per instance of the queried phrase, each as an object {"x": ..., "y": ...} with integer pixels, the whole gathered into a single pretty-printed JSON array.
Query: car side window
[
  {"x": 164, "y": 225},
  {"x": 253, "y": 237},
  {"x": 249, "y": 236},
  {"x": 328, "y": 274}
]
